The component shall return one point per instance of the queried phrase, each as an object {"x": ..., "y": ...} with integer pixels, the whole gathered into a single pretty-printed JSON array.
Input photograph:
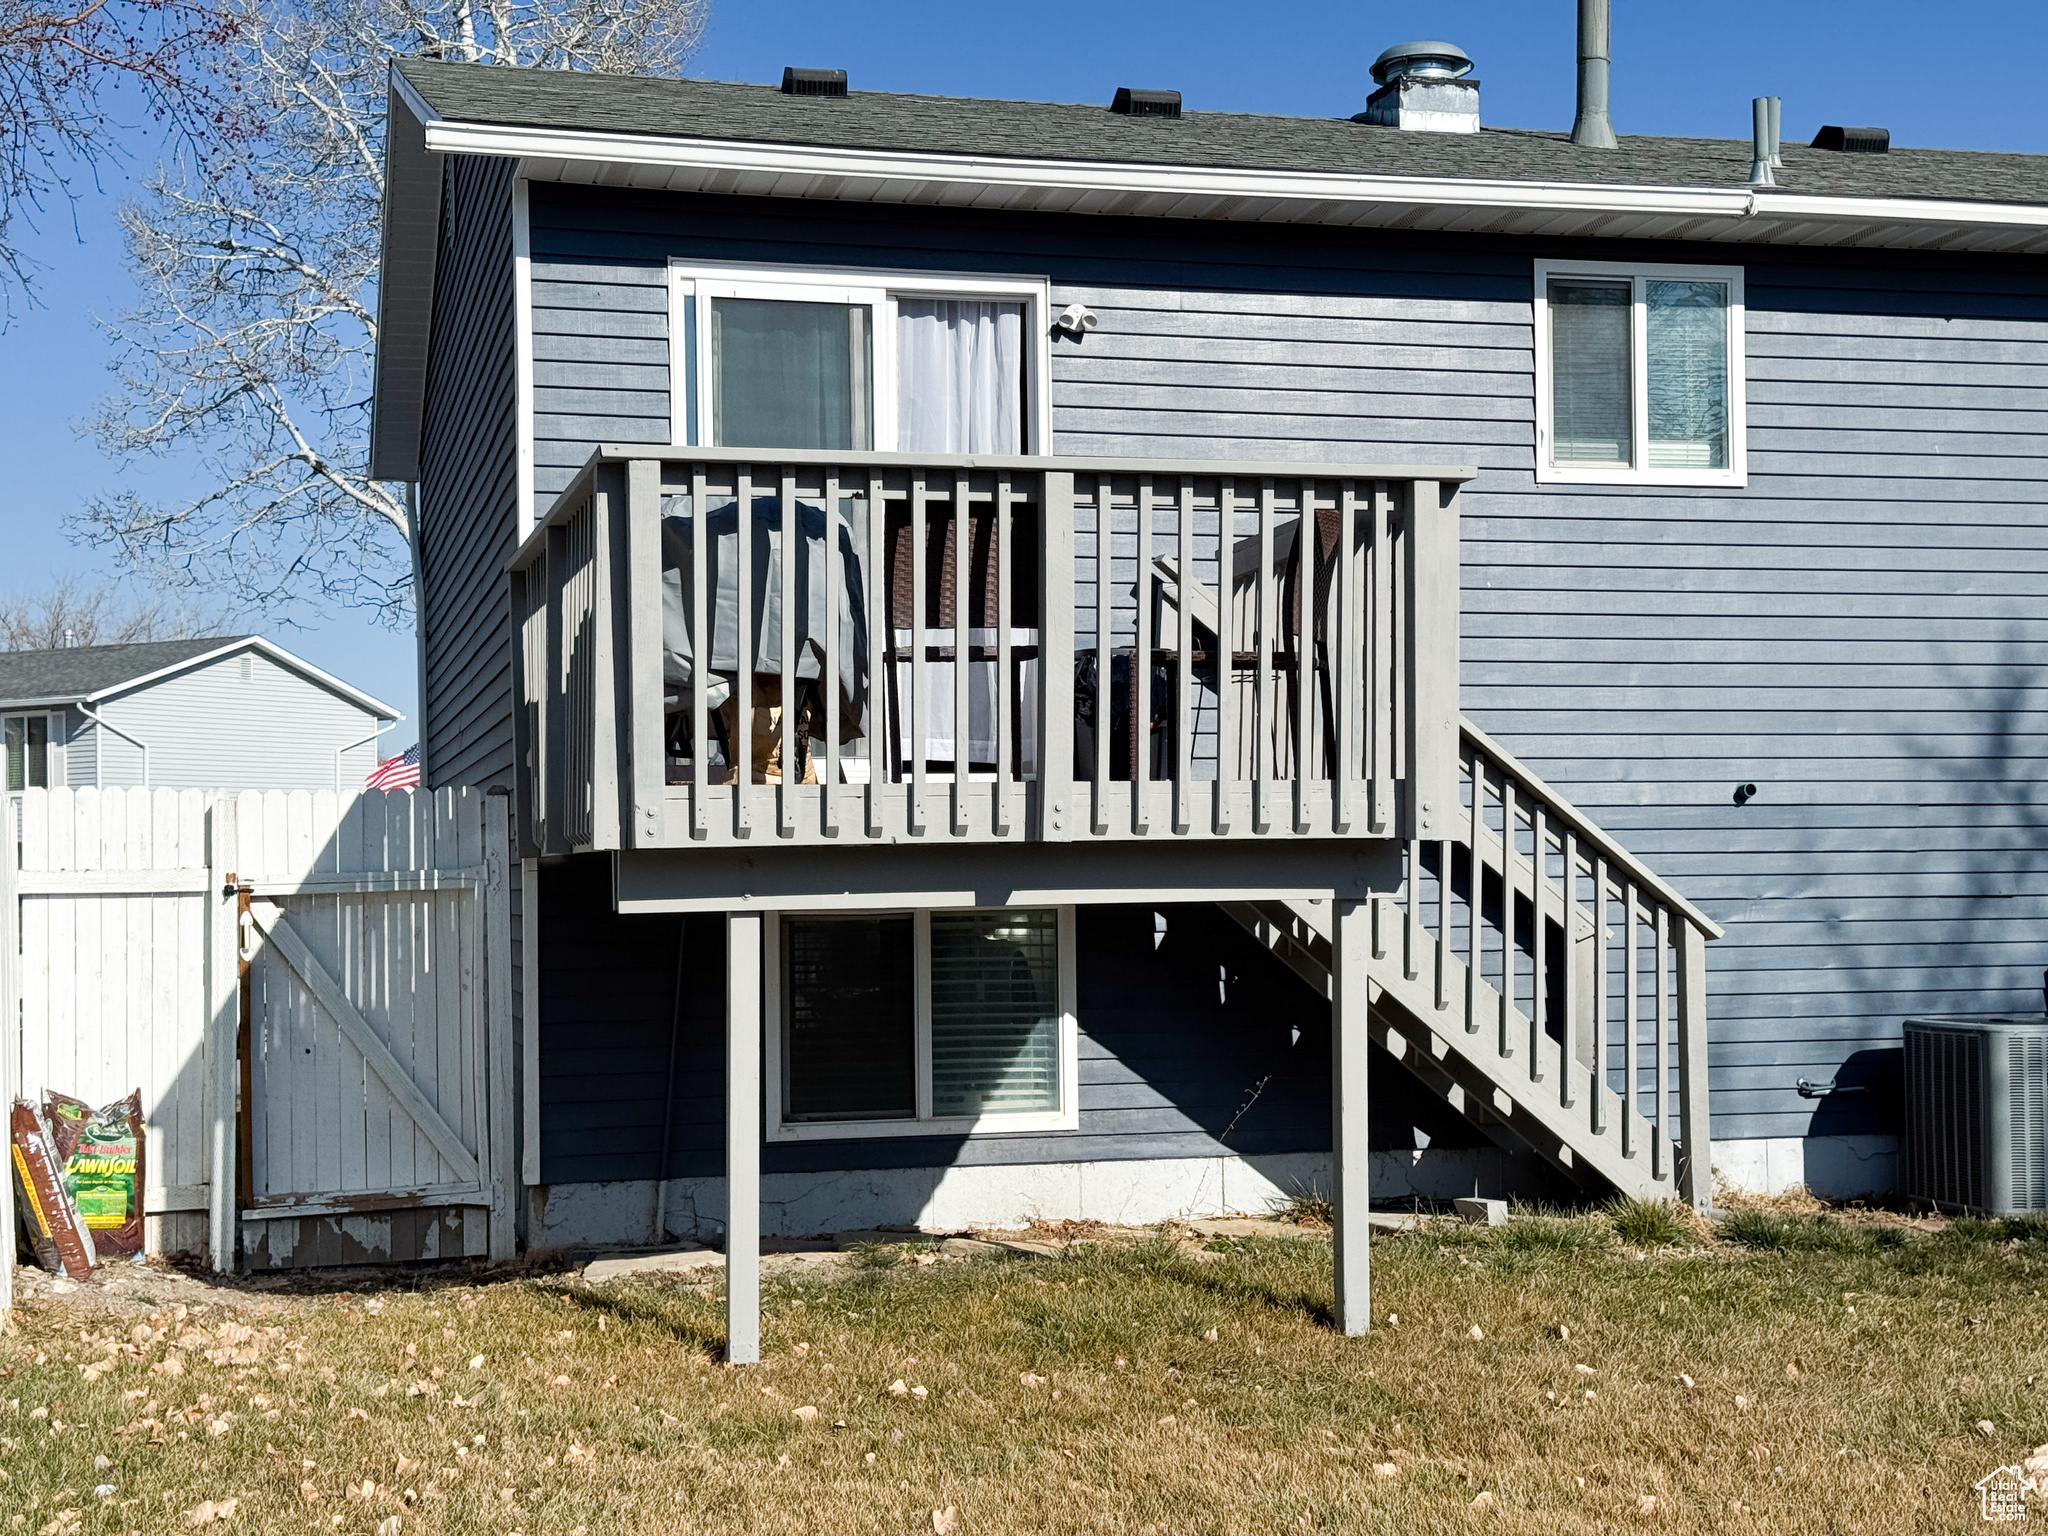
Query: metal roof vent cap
[
  {"x": 813, "y": 82},
  {"x": 1423, "y": 87},
  {"x": 1854, "y": 141},
  {"x": 1139, "y": 103},
  {"x": 1447, "y": 60}
]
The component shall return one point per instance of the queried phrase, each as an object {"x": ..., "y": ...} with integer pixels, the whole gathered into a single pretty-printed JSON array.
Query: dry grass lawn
[{"x": 1842, "y": 1380}]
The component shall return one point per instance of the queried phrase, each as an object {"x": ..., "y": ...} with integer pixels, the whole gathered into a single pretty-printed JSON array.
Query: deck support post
[
  {"x": 1350, "y": 1177},
  {"x": 742, "y": 1138},
  {"x": 1695, "y": 1125}
]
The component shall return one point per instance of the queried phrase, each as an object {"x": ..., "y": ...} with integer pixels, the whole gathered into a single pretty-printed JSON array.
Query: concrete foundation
[{"x": 1133, "y": 1192}]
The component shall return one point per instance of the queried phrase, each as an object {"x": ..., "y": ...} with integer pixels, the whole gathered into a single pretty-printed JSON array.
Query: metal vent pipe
[
  {"x": 1592, "y": 129},
  {"x": 1760, "y": 143}
]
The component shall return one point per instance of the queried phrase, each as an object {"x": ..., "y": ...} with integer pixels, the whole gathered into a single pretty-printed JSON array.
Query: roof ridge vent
[
  {"x": 813, "y": 82},
  {"x": 1854, "y": 141},
  {"x": 1132, "y": 102}
]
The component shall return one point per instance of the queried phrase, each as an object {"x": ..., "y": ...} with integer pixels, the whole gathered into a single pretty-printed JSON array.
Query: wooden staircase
[{"x": 1558, "y": 1000}]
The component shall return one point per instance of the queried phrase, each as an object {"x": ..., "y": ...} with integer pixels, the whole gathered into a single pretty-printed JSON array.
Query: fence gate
[
  {"x": 335, "y": 968},
  {"x": 366, "y": 928}
]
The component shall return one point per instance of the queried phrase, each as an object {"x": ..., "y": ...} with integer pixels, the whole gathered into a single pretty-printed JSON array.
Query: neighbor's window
[
  {"x": 783, "y": 358},
  {"x": 923, "y": 1022},
  {"x": 28, "y": 751},
  {"x": 1639, "y": 374}
]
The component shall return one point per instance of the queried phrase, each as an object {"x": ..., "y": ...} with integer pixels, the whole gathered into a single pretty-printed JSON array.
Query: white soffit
[{"x": 1453, "y": 204}]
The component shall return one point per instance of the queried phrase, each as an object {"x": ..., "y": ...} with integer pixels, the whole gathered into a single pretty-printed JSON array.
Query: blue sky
[{"x": 1955, "y": 76}]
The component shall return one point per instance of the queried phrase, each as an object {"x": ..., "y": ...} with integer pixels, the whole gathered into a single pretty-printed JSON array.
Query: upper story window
[
  {"x": 922, "y": 1023},
  {"x": 28, "y": 751},
  {"x": 1639, "y": 374},
  {"x": 788, "y": 357}
]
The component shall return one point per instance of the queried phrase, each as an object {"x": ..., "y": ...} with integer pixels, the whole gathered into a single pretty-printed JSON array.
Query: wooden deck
[{"x": 985, "y": 650}]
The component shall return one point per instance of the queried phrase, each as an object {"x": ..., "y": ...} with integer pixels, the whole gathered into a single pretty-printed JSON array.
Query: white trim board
[
  {"x": 522, "y": 352},
  {"x": 1638, "y": 274},
  {"x": 690, "y": 390},
  {"x": 1066, "y": 1118},
  {"x": 1225, "y": 192}
]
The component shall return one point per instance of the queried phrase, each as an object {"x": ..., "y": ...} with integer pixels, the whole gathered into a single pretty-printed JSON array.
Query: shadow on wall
[
  {"x": 1979, "y": 853},
  {"x": 1195, "y": 1044}
]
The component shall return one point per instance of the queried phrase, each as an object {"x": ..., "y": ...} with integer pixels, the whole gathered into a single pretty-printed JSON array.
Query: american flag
[{"x": 400, "y": 772}]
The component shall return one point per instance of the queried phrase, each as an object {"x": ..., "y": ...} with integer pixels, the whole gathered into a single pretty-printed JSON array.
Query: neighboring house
[
  {"x": 225, "y": 711},
  {"x": 1723, "y": 507}
]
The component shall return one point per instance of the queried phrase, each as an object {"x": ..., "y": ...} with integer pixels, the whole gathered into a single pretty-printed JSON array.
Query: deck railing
[{"x": 719, "y": 646}]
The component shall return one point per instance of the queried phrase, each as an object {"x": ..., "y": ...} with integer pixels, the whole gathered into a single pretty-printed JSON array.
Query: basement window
[
  {"x": 1639, "y": 374},
  {"x": 921, "y": 1023}
]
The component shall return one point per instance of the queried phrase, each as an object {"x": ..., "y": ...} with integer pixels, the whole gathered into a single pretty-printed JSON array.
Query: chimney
[
  {"x": 1422, "y": 86},
  {"x": 1592, "y": 129}
]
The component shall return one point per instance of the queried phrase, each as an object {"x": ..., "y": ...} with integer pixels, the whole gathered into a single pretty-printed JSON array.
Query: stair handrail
[{"x": 1591, "y": 836}]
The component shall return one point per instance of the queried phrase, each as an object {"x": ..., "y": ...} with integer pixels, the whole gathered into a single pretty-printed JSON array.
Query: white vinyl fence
[{"x": 344, "y": 961}]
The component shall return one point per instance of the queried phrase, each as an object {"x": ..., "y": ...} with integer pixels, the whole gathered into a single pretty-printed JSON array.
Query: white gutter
[
  {"x": 99, "y": 762},
  {"x": 351, "y": 746},
  {"x": 991, "y": 173}
]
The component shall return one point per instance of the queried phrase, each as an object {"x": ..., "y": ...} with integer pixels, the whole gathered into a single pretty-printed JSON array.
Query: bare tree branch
[
  {"x": 60, "y": 64},
  {"x": 251, "y": 342},
  {"x": 71, "y": 611}
]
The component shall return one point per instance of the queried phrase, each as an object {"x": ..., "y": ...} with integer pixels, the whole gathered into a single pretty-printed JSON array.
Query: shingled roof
[
  {"x": 80, "y": 671},
  {"x": 877, "y": 120},
  {"x": 88, "y": 673}
]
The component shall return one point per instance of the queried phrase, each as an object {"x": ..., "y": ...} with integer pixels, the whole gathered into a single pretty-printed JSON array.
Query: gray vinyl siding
[
  {"x": 81, "y": 750},
  {"x": 1193, "y": 1043},
  {"x": 242, "y": 721},
  {"x": 1859, "y": 631},
  {"x": 468, "y": 483},
  {"x": 600, "y": 355}
]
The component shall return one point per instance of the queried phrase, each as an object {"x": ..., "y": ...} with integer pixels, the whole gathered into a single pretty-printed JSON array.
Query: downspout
[
  {"x": 1592, "y": 130},
  {"x": 352, "y": 745},
  {"x": 99, "y": 763}
]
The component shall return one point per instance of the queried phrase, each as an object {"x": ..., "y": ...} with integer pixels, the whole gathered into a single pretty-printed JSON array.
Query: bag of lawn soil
[
  {"x": 101, "y": 1150},
  {"x": 48, "y": 1218}
]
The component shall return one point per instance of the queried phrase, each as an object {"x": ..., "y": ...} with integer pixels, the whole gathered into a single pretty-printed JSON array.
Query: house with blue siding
[
  {"x": 235, "y": 711},
  {"x": 1111, "y": 660}
]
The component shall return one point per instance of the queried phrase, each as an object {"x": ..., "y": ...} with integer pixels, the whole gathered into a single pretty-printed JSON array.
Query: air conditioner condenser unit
[{"x": 1977, "y": 1113}]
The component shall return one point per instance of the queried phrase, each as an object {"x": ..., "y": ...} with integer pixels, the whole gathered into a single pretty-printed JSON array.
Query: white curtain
[{"x": 960, "y": 363}]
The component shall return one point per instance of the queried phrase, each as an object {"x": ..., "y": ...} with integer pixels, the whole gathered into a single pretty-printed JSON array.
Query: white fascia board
[
  {"x": 277, "y": 653},
  {"x": 1259, "y": 190},
  {"x": 1076, "y": 175}
]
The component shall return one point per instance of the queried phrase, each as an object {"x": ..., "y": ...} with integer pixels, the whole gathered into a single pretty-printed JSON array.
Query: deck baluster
[
  {"x": 1002, "y": 697},
  {"x": 963, "y": 648},
  {"x": 700, "y": 662},
  {"x": 742, "y": 749},
  {"x": 1265, "y": 745},
  {"x": 1227, "y": 722},
  {"x": 1184, "y": 679},
  {"x": 920, "y": 684},
  {"x": 791, "y": 526},
  {"x": 828, "y": 674}
]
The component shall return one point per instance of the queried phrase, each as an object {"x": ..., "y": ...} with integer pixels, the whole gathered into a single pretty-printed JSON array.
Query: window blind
[
  {"x": 1687, "y": 353},
  {"x": 1589, "y": 373},
  {"x": 789, "y": 374},
  {"x": 850, "y": 1019},
  {"x": 995, "y": 1012}
]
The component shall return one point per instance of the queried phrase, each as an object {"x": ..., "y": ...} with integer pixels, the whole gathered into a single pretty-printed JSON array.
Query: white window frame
[
  {"x": 689, "y": 348},
  {"x": 1066, "y": 1118},
  {"x": 1640, "y": 473},
  {"x": 55, "y": 769}
]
